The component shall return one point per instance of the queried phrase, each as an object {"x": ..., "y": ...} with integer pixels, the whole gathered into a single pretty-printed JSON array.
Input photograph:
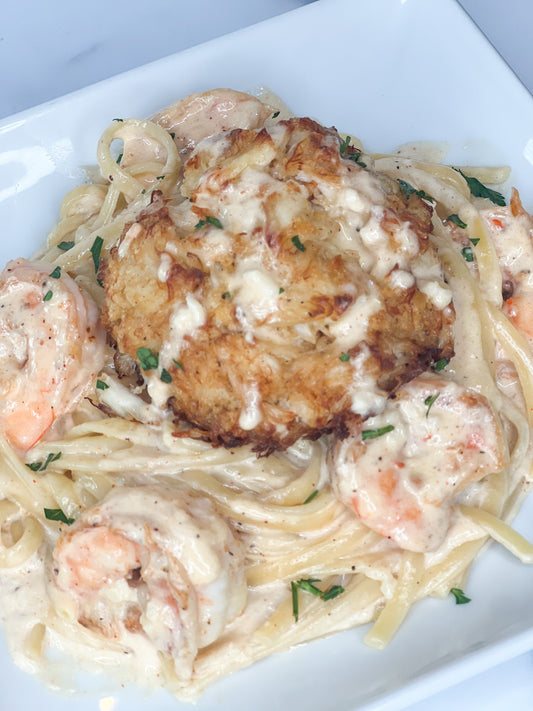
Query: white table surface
[{"x": 48, "y": 49}]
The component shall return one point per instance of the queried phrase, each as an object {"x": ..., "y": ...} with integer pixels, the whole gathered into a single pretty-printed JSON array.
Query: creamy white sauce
[
  {"x": 352, "y": 326},
  {"x": 165, "y": 265},
  {"x": 439, "y": 295},
  {"x": 251, "y": 414},
  {"x": 256, "y": 293},
  {"x": 133, "y": 232},
  {"x": 400, "y": 279},
  {"x": 184, "y": 321}
]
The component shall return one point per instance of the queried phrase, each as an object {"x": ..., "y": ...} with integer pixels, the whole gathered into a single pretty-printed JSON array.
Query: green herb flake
[
  {"x": 378, "y": 432},
  {"x": 468, "y": 254},
  {"x": 96, "y": 251},
  {"x": 344, "y": 145},
  {"x": 408, "y": 190},
  {"x": 48, "y": 295},
  {"x": 226, "y": 295},
  {"x": 333, "y": 592},
  {"x": 214, "y": 221},
  {"x": 351, "y": 152},
  {"x": 456, "y": 221},
  {"x": 199, "y": 224},
  {"x": 101, "y": 385},
  {"x": 429, "y": 402},
  {"x": 143, "y": 191},
  {"x": 118, "y": 119},
  {"x": 344, "y": 357},
  {"x": 65, "y": 246},
  {"x": 281, "y": 290},
  {"x": 147, "y": 358},
  {"x": 296, "y": 242},
  {"x": 474, "y": 240},
  {"x": 308, "y": 585},
  {"x": 275, "y": 114},
  {"x": 56, "y": 274},
  {"x": 52, "y": 457},
  {"x": 172, "y": 135},
  {"x": 160, "y": 177},
  {"x": 460, "y": 597},
  {"x": 294, "y": 594},
  {"x": 440, "y": 364},
  {"x": 178, "y": 364},
  {"x": 119, "y": 158},
  {"x": 58, "y": 515},
  {"x": 311, "y": 496},
  {"x": 477, "y": 189},
  {"x": 41, "y": 466},
  {"x": 165, "y": 376}
]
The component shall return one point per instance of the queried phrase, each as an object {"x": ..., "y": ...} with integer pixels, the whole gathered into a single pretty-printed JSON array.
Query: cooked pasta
[{"x": 259, "y": 386}]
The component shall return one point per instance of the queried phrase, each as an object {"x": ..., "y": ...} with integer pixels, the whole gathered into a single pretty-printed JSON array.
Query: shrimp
[
  {"x": 51, "y": 347},
  {"x": 511, "y": 229},
  {"x": 151, "y": 564},
  {"x": 199, "y": 116},
  {"x": 402, "y": 470}
]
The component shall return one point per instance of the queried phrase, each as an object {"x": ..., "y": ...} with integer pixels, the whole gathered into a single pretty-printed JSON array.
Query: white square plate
[{"x": 388, "y": 71}]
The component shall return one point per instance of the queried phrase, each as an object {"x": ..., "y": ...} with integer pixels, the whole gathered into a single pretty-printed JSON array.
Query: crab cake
[{"x": 288, "y": 294}]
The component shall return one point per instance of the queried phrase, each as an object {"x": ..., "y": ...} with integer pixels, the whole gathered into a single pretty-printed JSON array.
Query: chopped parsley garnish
[
  {"x": 101, "y": 385},
  {"x": 474, "y": 240},
  {"x": 460, "y": 597},
  {"x": 172, "y": 135},
  {"x": 58, "y": 515},
  {"x": 429, "y": 401},
  {"x": 281, "y": 290},
  {"x": 165, "y": 376},
  {"x": 65, "y": 246},
  {"x": 48, "y": 295},
  {"x": 119, "y": 158},
  {"x": 147, "y": 358},
  {"x": 468, "y": 254},
  {"x": 456, "y": 221},
  {"x": 275, "y": 114},
  {"x": 297, "y": 243},
  {"x": 56, "y": 273},
  {"x": 214, "y": 221},
  {"x": 333, "y": 592},
  {"x": 160, "y": 177},
  {"x": 351, "y": 152},
  {"x": 308, "y": 585},
  {"x": 477, "y": 189},
  {"x": 226, "y": 295},
  {"x": 96, "y": 250},
  {"x": 440, "y": 364},
  {"x": 311, "y": 496},
  {"x": 294, "y": 593},
  {"x": 378, "y": 432},
  {"x": 118, "y": 119},
  {"x": 41, "y": 466},
  {"x": 344, "y": 145},
  {"x": 211, "y": 221},
  {"x": 178, "y": 364},
  {"x": 344, "y": 357},
  {"x": 408, "y": 190}
]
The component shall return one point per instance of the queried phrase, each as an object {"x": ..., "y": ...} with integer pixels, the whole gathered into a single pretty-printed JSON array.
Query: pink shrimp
[
  {"x": 153, "y": 563},
  {"x": 199, "y": 116},
  {"x": 402, "y": 470},
  {"x": 51, "y": 347}
]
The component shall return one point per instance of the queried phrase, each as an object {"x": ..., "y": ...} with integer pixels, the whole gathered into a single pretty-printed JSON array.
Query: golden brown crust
[{"x": 287, "y": 353}]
